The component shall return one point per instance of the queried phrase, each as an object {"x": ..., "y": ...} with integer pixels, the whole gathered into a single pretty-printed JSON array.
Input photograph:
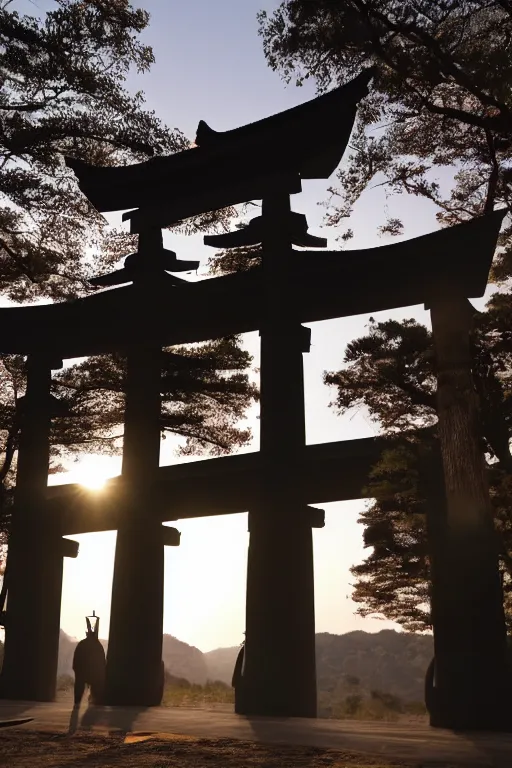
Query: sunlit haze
[{"x": 92, "y": 472}]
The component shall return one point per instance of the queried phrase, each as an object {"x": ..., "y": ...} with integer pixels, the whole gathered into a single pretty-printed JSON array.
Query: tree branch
[
  {"x": 33, "y": 107},
  {"x": 494, "y": 175},
  {"x": 10, "y": 449},
  {"x": 417, "y": 34}
]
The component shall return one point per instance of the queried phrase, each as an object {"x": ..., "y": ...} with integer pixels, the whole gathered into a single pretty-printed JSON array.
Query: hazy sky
[{"x": 210, "y": 65}]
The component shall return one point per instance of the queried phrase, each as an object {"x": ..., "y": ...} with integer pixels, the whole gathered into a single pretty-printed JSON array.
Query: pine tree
[
  {"x": 441, "y": 95},
  {"x": 441, "y": 98},
  {"x": 62, "y": 93},
  {"x": 390, "y": 372}
]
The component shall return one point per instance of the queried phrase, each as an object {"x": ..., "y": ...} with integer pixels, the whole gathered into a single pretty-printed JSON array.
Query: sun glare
[
  {"x": 92, "y": 472},
  {"x": 92, "y": 481}
]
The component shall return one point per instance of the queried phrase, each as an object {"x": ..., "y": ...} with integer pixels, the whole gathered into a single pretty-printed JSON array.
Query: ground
[
  {"x": 59, "y": 736},
  {"x": 35, "y": 749}
]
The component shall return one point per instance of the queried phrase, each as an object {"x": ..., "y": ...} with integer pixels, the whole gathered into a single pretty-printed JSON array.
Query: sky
[{"x": 210, "y": 65}]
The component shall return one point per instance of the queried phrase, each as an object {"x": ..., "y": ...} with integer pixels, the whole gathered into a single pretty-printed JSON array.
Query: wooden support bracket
[
  {"x": 312, "y": 515},
  {"x": 171, "y": 536},
  {"x": 305, "y": 339},
  {"x": 317, "y": 517},
  {"x": 69, "y": 548}
]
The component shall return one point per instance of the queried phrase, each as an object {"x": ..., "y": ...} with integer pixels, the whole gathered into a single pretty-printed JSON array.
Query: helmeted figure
[
  {"x": 89, "y": 664},
  {"x": 237, "y": 681}
]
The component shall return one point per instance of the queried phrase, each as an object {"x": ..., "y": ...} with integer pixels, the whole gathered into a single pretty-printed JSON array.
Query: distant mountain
[
  {"x": 180, "y": 659},
  {"x": 183, "y": 660},
  {"x": 221, "y": 663},
  {"x": 389, "y": 661},
  {"x": 386, "y": 661},
  {"x": 67, "y": 646}
]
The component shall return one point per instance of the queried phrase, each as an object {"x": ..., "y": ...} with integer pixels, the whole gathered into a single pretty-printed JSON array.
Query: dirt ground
[{"x": 23, "y": 748}]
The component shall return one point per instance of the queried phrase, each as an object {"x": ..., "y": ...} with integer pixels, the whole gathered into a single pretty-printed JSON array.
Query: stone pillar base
[
  {"x": 134, "y": 656},
  {"x": 474, "y": 697},
  {"x": 32, "y": 619},
  {"x": 279, "y": 672}
]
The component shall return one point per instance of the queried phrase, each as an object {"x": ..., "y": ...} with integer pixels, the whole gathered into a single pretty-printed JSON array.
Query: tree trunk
[{"x": 471, "y": 673}]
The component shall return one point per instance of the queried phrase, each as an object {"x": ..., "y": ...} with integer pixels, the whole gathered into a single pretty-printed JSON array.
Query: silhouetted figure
[
  {"x": 89, "y": 665},
  {"x": 430, "y": 691},
  {"x": 237, "y": 680}
]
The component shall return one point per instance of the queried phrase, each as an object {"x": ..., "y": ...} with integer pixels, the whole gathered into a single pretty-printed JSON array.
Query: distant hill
[
  {"x": 394, "y": 662},
  {"x": 221, "y": 663},
  {"x": 180, "y": 659},
  {"x": 388, "y": 661},
  {"x": 183, "y": 660}
]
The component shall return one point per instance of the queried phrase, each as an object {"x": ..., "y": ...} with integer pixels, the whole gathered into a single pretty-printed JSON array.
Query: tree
[
  {"x": 240, "y": 259},
  {"x": 62, "y": 92},
  {"x": 390, "y": 373},
  {"x": 205, "y": 393},
  {"x": 441, "y": 97}
]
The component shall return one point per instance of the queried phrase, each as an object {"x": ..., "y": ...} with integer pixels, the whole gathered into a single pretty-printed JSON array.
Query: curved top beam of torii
[
  {"x": 230, "y": 167},
  {"x": 327, "y": 285}
]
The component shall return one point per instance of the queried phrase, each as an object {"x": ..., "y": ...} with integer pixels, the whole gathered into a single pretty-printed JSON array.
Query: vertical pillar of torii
[
  {"x": 280, "y": 668},
  {"x": 278, "y": 674},
  {"x": 134, "y": 659},
  {"x": 471, "y": 672},
  {"x": 34, "y": 562}
]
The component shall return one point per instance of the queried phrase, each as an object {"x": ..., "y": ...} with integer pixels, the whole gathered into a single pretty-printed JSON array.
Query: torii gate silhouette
[{"x": 266, "y": 160}]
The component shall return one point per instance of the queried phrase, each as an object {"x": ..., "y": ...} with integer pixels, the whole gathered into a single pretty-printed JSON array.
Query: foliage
[
  {"x": 12, "y": 382},
  {"x": 372, "y": 705},
  {"x": 62, "y": 92},
  {"x": 358, "y": 704},
  {"x": 232, "y": 260},
  {"x": 441, "y": 99},
  {"x": 181, "y": 693},
  {"x": 205, "y": 392},
  {"x": 441, "y": 95},
  {"x": 391, "y": 373}
]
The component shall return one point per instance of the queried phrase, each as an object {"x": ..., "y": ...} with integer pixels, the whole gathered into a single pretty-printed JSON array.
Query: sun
[
  {"x": 92, "y": 481},
  {"x": 92, "y": 472}
]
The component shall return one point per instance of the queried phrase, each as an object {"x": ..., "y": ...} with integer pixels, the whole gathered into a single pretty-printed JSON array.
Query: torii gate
[{"x": 267, "y": 161}]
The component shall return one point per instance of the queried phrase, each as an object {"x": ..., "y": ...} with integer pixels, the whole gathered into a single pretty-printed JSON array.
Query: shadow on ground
[
  {"x": 114, "y": 720},
  {"x": 389, "y": 743}
]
